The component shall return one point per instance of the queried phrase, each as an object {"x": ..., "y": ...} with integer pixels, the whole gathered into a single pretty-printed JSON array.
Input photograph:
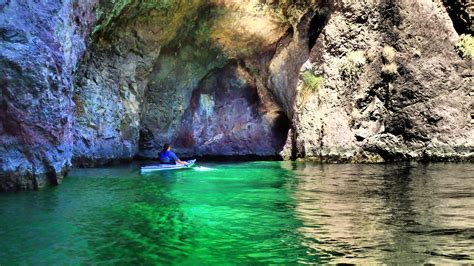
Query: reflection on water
[
  {"x": 390, "y": 213},
  {"x": 267, "y": 212}
]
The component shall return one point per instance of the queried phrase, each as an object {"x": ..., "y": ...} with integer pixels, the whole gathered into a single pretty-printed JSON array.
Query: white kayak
[{"x": 164, "y": 167}]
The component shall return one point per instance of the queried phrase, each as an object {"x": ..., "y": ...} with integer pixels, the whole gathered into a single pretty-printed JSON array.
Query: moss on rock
[
  {"x": 312, "y": 81},
  {"x": 465, "y": 46}
]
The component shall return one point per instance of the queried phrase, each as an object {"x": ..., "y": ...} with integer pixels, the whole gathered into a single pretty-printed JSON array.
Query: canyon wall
[
  {"x": 40, "y": 45},
  {"x": 383, "y": 83},
  {"x": 113, "y": 76},
  {"x": 89, "y": 82}
]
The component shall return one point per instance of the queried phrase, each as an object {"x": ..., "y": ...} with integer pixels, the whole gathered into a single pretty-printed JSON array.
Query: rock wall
[
  {"x": 113, "y": 76},
  {"x": 388, "y": 86},
  {"x": 40, "y": 44},
  {"x": 226, "y": 118}
]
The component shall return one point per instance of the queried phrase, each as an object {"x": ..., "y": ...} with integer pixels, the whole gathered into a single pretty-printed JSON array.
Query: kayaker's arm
[
  {"x": 176, "y": 159},
  {"x": 181, "y": 162}
]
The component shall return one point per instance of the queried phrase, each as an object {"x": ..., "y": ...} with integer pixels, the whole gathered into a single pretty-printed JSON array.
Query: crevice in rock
[
  {"x": 458, "y": 11},
  {"x": 390, "y": 12},
  {"x": 281, "y": 128},
  {"x": 294, "y": 145},
  {"x": 318, "y": 22}
]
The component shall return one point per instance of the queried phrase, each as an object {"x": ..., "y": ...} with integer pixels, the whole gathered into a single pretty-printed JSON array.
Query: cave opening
[
  {"x": 281, "y": 128},
  {"x": 317, "y": 24},
  {"x": 459, "y": 15}
]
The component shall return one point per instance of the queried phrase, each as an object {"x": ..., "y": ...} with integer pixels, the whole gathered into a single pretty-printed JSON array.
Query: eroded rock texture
[
  {"x": 392, "y": 87},
  {"x": 40, "y": 44},
  {"x": 113, "y": 76},
  {"x": 226, "y": 118}
]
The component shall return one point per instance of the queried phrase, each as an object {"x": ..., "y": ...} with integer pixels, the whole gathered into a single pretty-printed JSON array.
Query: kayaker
[{"x": 169, "y": 157}]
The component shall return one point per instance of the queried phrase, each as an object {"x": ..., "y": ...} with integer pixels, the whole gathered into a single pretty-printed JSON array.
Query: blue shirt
[{"x": 168, "y": 157}]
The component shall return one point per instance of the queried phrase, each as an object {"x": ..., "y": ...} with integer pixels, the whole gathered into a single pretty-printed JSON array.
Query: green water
[{"x": 245, "y": 213}]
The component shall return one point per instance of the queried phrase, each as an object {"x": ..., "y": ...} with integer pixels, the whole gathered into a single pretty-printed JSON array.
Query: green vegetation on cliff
[
  {"x": 311, "y": 80},
  {"x": 465, "y": 46}
]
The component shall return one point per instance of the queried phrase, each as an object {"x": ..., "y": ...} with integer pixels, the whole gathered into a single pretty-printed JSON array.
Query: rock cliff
[
  {"x": 92, "y": 82},
  {"x": 40, "y": 45},
  {"x": 388, "y": 85}
]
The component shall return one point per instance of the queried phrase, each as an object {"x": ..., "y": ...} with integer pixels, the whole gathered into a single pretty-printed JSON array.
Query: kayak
[{"x": 164, "y": 167}]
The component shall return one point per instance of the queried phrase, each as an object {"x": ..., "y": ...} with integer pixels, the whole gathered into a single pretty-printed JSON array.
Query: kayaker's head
[{"x": 166, "y": 147}]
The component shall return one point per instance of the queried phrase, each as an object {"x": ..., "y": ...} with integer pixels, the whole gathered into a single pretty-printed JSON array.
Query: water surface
[{"x": 253, "y": 212}]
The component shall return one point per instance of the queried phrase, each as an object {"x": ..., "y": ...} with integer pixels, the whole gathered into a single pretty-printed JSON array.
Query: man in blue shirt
[{"x": 169, "y": 157}]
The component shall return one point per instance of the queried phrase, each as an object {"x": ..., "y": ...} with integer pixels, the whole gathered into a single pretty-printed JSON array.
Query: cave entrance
[{"x": 280, "y": 129}]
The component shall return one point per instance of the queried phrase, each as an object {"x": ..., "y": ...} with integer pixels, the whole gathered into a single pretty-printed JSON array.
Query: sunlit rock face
[
  {"x": 389, "y": 87},
  {"x": 40, "y": 44}
]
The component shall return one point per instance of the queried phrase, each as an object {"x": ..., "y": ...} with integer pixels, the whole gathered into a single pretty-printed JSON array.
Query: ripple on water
[{"x": 258, "y": 212}]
